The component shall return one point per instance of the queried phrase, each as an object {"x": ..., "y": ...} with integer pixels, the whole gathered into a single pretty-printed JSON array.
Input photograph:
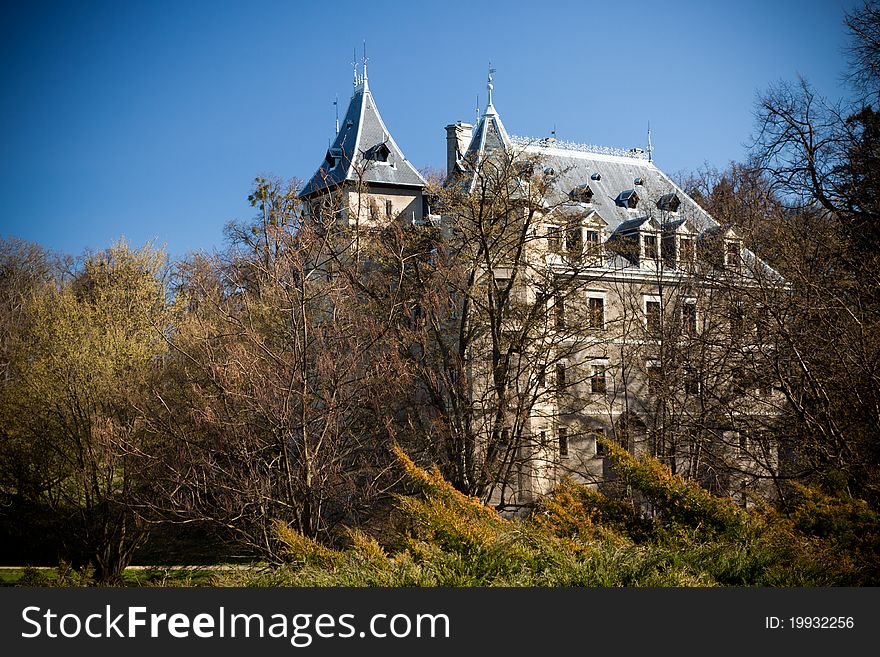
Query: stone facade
[{"x": 637, "y": 338}]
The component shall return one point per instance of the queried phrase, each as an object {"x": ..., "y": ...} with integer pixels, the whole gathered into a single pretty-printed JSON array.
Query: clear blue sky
[{"x": 151, "y": 119}]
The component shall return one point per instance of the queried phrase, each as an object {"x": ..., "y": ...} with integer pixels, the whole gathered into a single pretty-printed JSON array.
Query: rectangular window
[
  {"x": 541, "y": 375},
  {"x": 563, "y": 441},
  {"x": 559, "y": 311},
  {"x": 597, "y": 379},
  {"x": 600, "y": 448},
  {"x": 596, "y": 310},
  {"x": 655, "y": 380},
  {"x": 652, "y": 317},
  {"x": 689, "y": 318},
  {"x": 687, "y": 251},
  {"x": 560, "y": 376},
  {"x": 593, "y": 248},
  {"x": 554, "y": 239},
  {"x": 731, "y": 254},
  {"x": 389, "y": 209},
  {"x": 650, "y": 242},
  {"x": 736, "y": 322},
  {"x": 573, "y": 238}
]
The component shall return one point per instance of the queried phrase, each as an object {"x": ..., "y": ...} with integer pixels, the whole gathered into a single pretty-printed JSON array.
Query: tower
[{"x": 365, "y": 178}]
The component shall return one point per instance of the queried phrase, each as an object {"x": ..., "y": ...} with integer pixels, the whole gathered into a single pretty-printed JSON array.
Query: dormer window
[
  {"x": 596, "y": 176},
  {"x": 333, "y": 157},
  {"x": 573, "y": 240},
  {"x": 686, "y": 251},
  {"x": 554, "y": 239},
  {"x": 581, "y": 194},
  {"x": 732, "y": 254},
  {"x": 669, "y": 202},
  {"x": 650, "y": 244},
  {"x": 378, "y": 153},
  {"x": 638, "y": 181},
  {"x": 627, "y": 199}
]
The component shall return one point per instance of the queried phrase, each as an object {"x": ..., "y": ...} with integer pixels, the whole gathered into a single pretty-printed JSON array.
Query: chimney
[{"x": 458, "y": 136}]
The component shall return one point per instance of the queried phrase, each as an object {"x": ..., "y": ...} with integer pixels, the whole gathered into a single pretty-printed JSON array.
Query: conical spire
[
  {"x": 489, "y": 135},
  {"x": 490, "y": 108},
  {"x": 364, "y": 149}
]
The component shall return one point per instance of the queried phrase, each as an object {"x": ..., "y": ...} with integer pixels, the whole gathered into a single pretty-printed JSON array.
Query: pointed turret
[
  {"x": 364, "y": 150},
  {"x": 489, "y": 135}
]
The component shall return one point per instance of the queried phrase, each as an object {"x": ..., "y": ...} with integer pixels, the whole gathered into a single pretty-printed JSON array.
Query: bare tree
[{"x": 273, "y": 412}]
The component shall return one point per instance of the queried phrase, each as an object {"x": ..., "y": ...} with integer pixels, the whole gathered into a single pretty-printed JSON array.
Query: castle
[{"x": 603, "y": 301}]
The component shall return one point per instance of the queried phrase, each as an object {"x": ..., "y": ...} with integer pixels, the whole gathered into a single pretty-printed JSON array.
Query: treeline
[{"x": 277, "y": 395}]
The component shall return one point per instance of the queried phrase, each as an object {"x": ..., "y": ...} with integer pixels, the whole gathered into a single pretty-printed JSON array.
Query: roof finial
[
  {"x": 365, "y": 63},
  {"x": 336, "y": 106},
  {"x": 478, "y": 110},
  {"x": 489, "y": 86},
  {"x": 650, "y": 145},
  {"x": 354, "y": 63}
]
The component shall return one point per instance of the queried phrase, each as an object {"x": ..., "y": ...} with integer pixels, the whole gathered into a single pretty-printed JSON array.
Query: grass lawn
[{"x": 171, "y": 576}]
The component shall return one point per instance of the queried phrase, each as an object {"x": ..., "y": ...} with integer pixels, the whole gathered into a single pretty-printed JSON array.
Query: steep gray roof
[
  {"x": 358, "y": 148},
  {"x": 488, "y": 136},
  {"x": 608, "y": 176}
]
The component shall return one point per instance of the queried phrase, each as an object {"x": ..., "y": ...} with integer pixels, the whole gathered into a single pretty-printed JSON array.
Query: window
[
  {"x": 687, "y": 250},
  {"x": 377, "y": 153},
  {"x": 374, "y": 210},
  {"x": 732, "y": 255},
  {"x": 736, "y": 322},
  {"x": 655, "y": 379},
  {"x": 600, "y": 448},
  {"x": 560, "y": 376},
  {"x": 593, "y": 248},
  {"x": 627, "y": 199},
  {"x": 596, "y": 312},
  {"x": 389, "y": 209},
  {"x": 554, "y": 239},
  {"x": 542, "y": 376},
  {"x": 505, "y": 438},
  {"x": 652, "y": 317},
  {"x": 597, "y": 379},
  {"x": 573, "y": 238},
  {"x": 563, "y": 441},
  {"x": 581, "y": 194},
  {"x": 559, "y": 311},
  {"x": 650, "y": 242},
  {"x": 689, "y": 318},
  {"x": 669, "y": 202}
]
